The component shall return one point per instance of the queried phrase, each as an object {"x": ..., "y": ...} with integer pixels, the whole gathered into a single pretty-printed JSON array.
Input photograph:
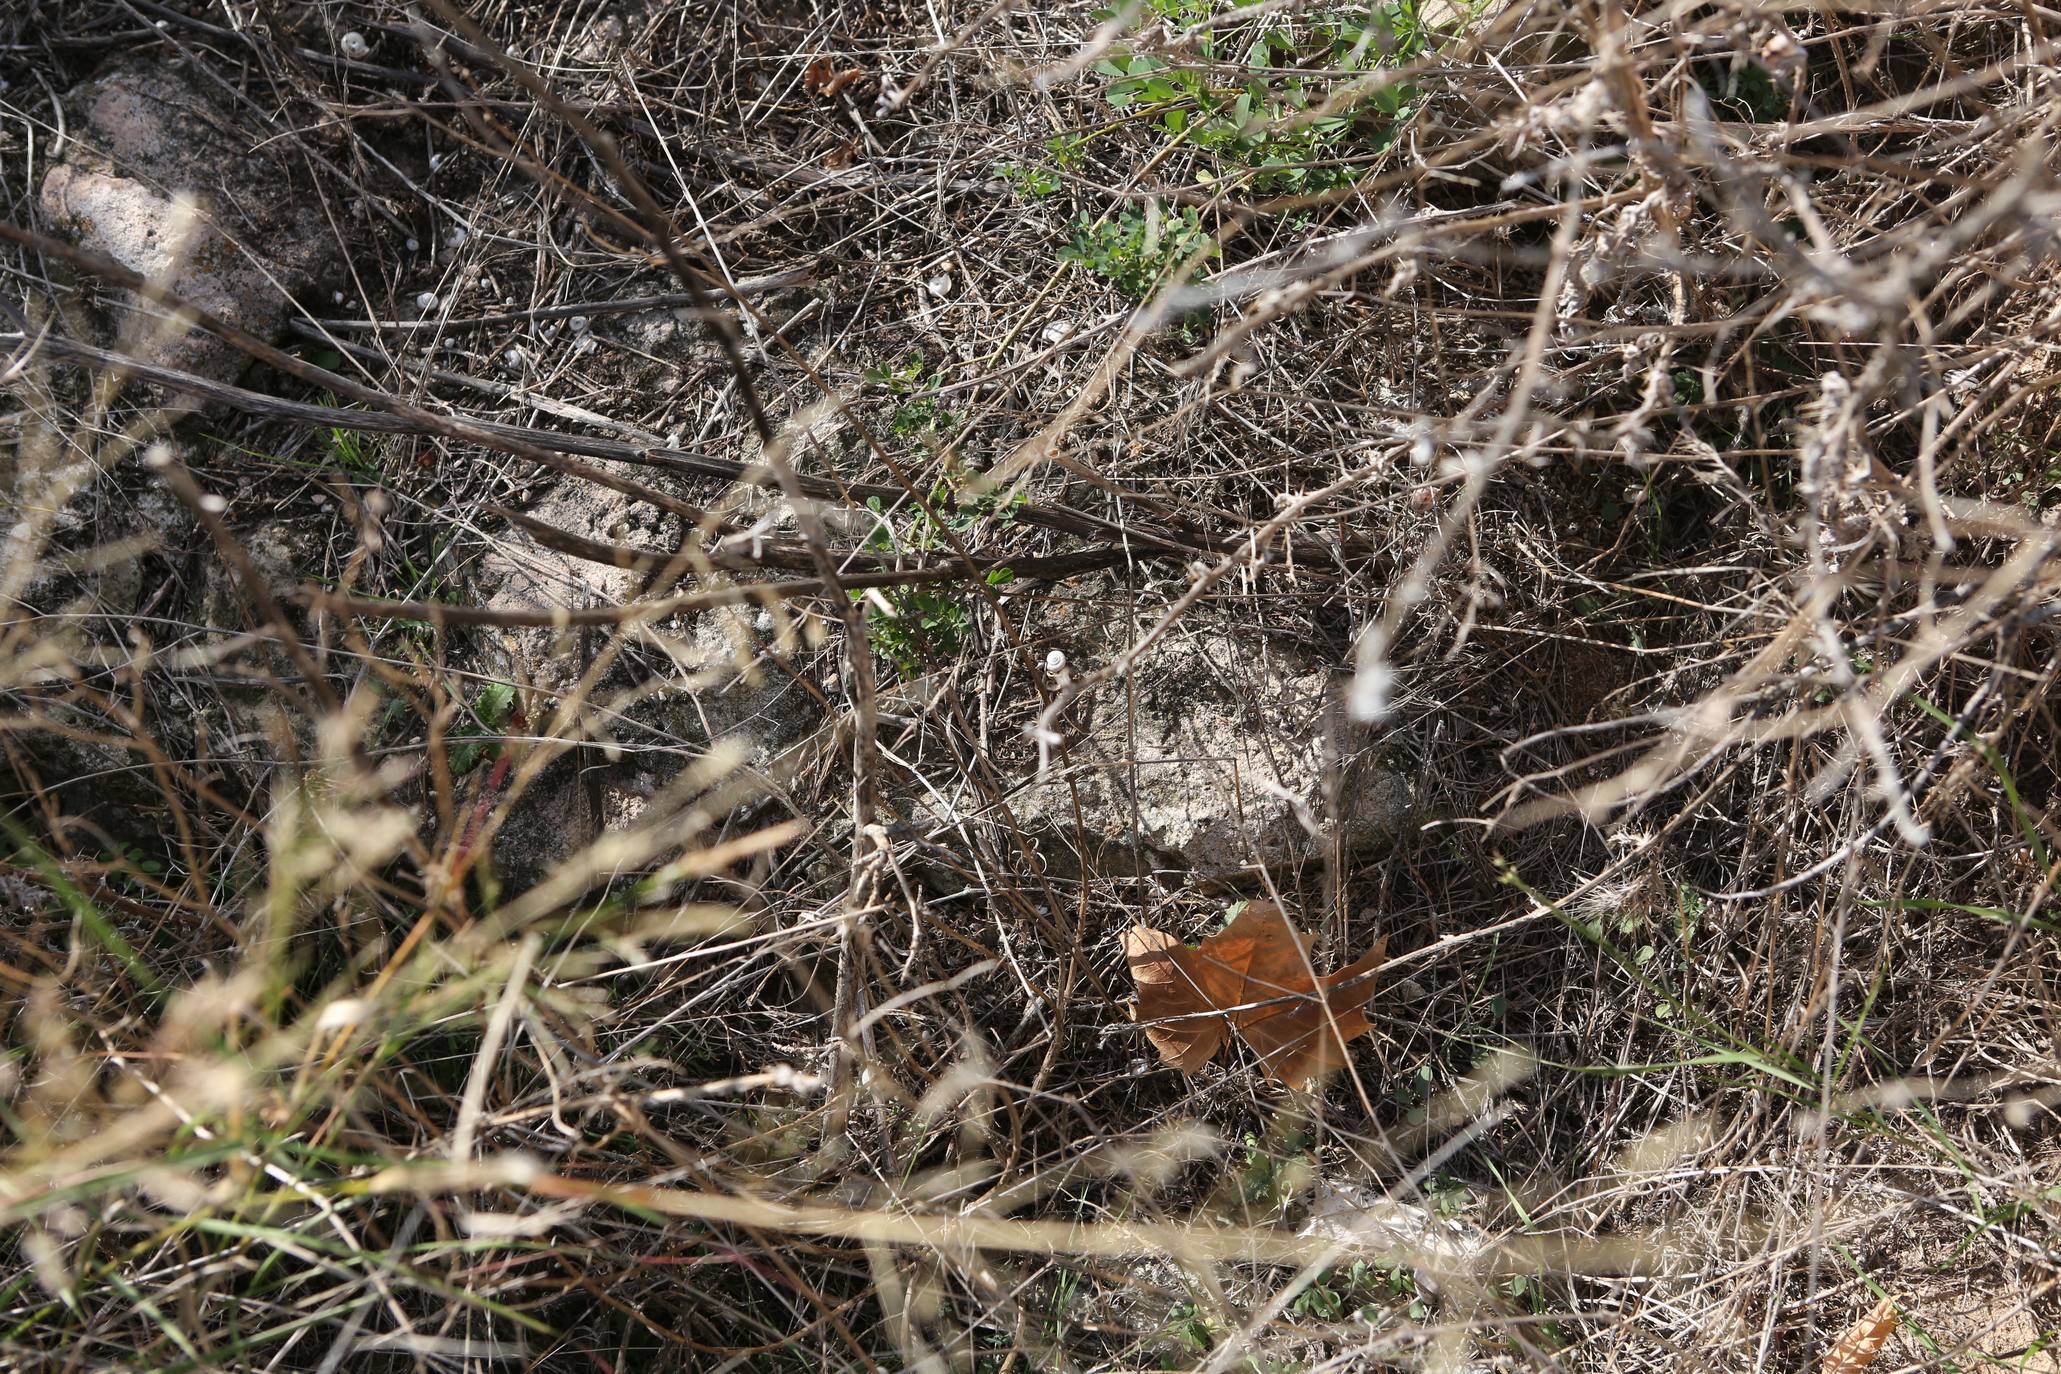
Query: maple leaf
[{"x": 1255, "y": 976}]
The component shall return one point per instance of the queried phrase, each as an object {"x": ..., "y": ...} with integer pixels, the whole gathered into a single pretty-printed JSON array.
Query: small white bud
[{"x": 213, "y": 504}]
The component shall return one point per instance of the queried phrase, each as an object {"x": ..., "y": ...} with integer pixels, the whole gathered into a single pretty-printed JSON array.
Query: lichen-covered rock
[
  {"x": 661, "y": 701},
  {"x": 159, "y": 177},
  {"x": 516, "y": 573},
  {"x": 1221, "y": 754},
  {"x": 283, "y": 553}
]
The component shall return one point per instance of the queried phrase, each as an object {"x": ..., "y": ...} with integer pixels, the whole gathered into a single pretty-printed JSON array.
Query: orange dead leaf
[
  {"x": 1254, "y": 975},
  {"x": 821, "y": 78},
  {"x": 1858, "y": 1346}
]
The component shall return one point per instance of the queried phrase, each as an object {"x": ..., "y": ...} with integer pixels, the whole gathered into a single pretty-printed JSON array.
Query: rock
[
  {"x": 1214, "y": 761},
  {"x": 285, "y": 553},
  {"x": 27, "y": 898},
  {"x": 517, "y": 573},
  {"x": 75, "y": 758},
  {"x": 734, "y": 691},
  {"x": 654, "y": 329},
  {"x": 603, "y": 37},
  {"x": 118, "y": 584},
  {"x": 706, "y": 668},
  {"x": 562, "y": 810},
  {"x": 144, "y": 134},
  {"x": 684, "y": 685},
  {"x": 555, "y": 818}
]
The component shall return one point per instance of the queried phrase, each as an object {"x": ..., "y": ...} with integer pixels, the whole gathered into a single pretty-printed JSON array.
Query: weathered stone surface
[
  {"x": 555, "y": 818},
  {"x": 734, "y": 690},
  {"x": 515, "y": 572},
  {"x": 147, "y": 136},
  {"x": 1215, "y": 759},
  {"x": 683, "y": 685},
  {"x": 283, "y": 553}
]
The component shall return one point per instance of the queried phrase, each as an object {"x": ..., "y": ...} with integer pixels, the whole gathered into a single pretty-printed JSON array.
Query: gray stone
[
  {"x": 514, "y": 572},
  {"x": 1214, "y": 761},
  {"x": 555, "y": 818},
  {"x": 734, "y": 691},
  {"x": 146, "y": 135},
  {"x": 282, "y": 552},
  {"x": 688, "y": 682}
]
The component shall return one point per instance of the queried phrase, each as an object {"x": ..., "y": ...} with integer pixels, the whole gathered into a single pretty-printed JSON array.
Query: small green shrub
[
  {"x": 1029, "y": 180},
  {"x": 1137, "y": 250},
  {"x": 1259, "y": 123},
  {"x": 485, "y": 718},
  {"x": 918, "y": 417},
  {"x": 928, "y": 620}
]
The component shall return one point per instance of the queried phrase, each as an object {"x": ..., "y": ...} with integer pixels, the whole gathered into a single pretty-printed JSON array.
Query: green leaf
[{"x": 488, "y": 716}]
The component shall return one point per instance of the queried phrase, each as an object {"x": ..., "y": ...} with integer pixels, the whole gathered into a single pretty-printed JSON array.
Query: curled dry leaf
[
  {"x": 1858, "y": 1346},
  {"x": 821, "y": 78},
  {"x": 1254, "y": 975}
]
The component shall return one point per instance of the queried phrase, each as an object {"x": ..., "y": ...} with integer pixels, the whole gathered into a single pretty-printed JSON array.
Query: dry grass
[{"x": 1648, "y": 413}]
